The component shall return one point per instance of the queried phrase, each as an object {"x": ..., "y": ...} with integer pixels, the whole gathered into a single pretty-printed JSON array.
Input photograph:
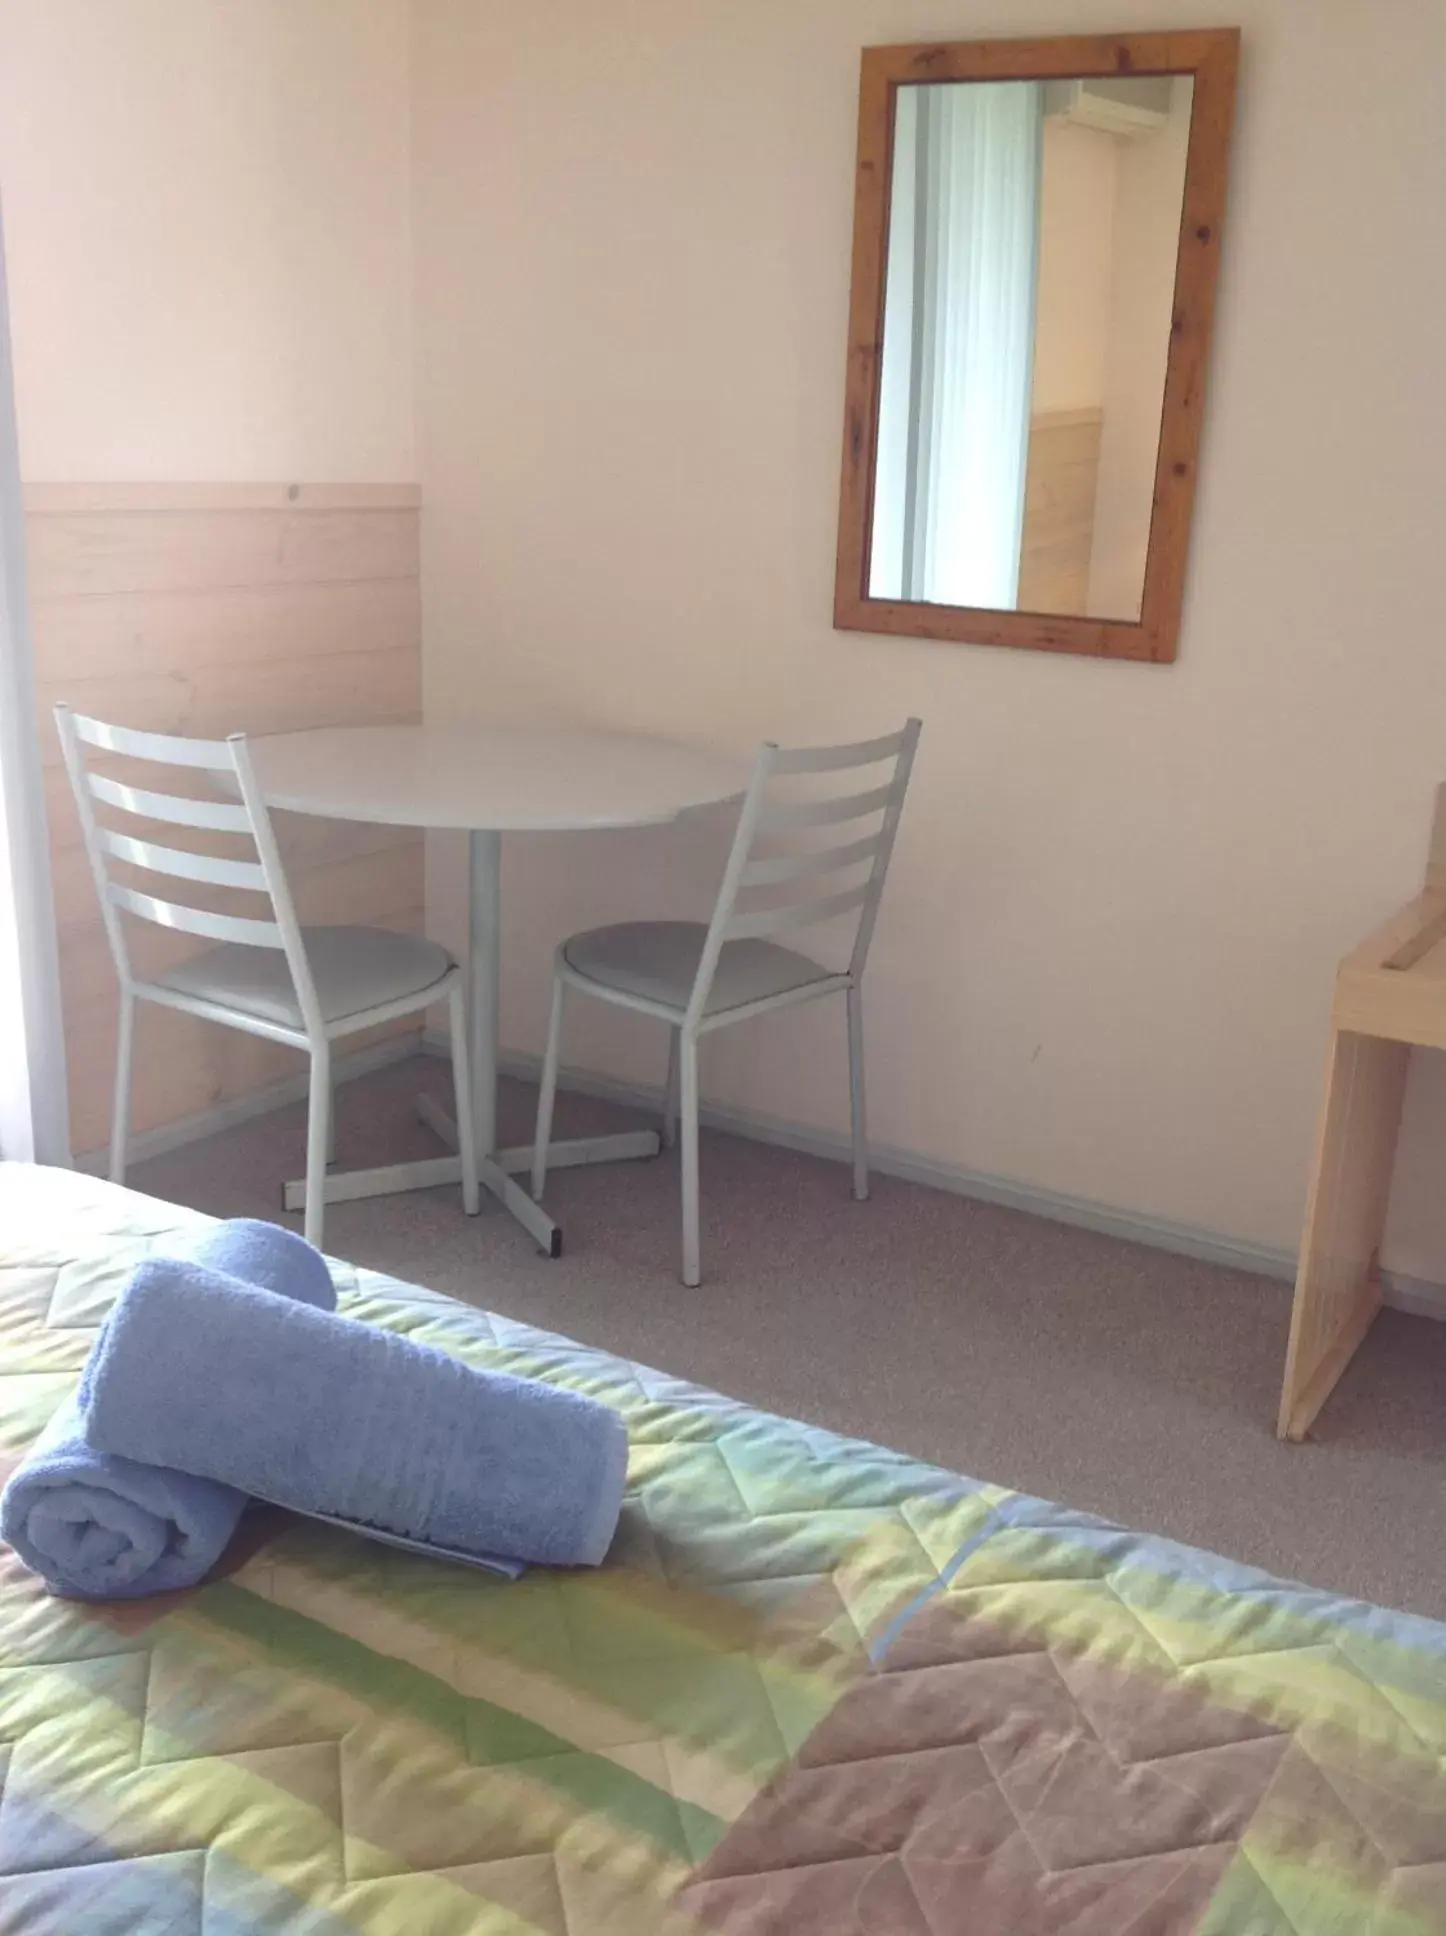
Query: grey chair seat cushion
[
  {"x": 353, "y": 968},
  {"x": 658, "y": 960}
]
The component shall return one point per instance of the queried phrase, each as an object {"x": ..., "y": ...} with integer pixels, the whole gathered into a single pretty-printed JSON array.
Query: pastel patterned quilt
[{"x": 818, "y": 1690}]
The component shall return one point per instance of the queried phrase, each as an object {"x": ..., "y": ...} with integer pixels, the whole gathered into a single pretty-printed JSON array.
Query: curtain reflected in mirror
[{"x": 1029, "y": 281}]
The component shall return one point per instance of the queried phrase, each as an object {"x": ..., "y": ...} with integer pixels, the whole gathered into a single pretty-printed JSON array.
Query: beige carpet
[{"x": 1115, "y": 1378}]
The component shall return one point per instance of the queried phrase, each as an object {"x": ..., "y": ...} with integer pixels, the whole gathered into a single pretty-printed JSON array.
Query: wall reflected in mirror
[{"x": 1029, "y": 283}]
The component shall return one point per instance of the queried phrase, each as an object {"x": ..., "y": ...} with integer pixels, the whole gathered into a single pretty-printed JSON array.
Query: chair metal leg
[
  {"x": 547, "y": 1091},
  {"x": 670, "y": 1092},
  {"x": 462, "y": 1090},
  {"x": 318, "y": 1117},
  {"x": 855, "y": 998},
  {"x": 688, "y": 1098},
  {"x": 120, "y": 1120},
  {"x": 331, "y": 1128}
]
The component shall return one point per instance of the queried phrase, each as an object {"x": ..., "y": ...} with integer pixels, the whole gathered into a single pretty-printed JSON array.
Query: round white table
[{"x": 490, "y": 780}]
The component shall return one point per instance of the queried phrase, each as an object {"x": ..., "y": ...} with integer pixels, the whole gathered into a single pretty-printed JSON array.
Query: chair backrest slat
[
  {"x": 796, "y": 914},
  {"x": 790, "y": 816},
  {"x": 212, "y": 868},
  {"x": 216, "y": 815},
  {"x": 802, "y": 885},
  {"x": 261, "y": 873},
  {"x": 168, "y": 748},
  {"x": 839, "y": 759},
  {"x": 216, "y": 927},
  {"x": 796, "y": 867}
]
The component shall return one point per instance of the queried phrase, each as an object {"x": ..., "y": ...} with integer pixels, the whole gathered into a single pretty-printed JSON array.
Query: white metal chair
[
  {"x": 698, "y": 976},
  {"x": 269, "y": 976}
]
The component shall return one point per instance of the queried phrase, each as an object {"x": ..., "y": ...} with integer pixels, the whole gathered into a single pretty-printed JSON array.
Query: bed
[{"x": 818, "y": 1689}]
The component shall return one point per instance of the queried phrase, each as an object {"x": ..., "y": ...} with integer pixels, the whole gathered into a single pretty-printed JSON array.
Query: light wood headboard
[{"x": 211, "y": 609}]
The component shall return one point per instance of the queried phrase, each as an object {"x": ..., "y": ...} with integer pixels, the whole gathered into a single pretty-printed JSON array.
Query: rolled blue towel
[
  {"x": 325, "y": 1414},
  {"x": 263, "y": 1255},
  {"x": 96, "y": 1526}
]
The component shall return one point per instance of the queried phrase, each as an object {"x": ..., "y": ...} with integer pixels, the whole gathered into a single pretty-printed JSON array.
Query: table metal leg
[
  {"x": 484, "y": 922},
  {"x": 567, "y": 1153},
  {"x": 494, "y": 1165},
  {"x": 392, "y": 1179}
]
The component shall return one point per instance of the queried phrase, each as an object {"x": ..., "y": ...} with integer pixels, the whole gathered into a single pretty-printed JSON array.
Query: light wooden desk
[{"x": 1390, "y": 997}]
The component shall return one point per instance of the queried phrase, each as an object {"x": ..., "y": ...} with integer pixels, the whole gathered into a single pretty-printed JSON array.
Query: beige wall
[
  {"x": 1109, "y": 228},
  {"x": 1105, "y": 962},
  {"x": 207, "y": 215},
  {"x": 1150, "y": 175},
  {"x": 1077, "y": 185},
  {"x": 1078, "y": 182}
]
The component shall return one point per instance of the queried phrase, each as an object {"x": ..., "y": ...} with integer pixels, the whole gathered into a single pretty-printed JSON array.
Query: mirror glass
[{"x": 1029, "y": 285}]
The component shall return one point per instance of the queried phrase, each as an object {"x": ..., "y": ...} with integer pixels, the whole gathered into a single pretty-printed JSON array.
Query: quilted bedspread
[{"x": 817, "y": 1690}]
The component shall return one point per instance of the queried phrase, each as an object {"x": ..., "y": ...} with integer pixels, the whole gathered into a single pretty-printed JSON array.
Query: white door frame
[{"x": 34, "y": 1113}]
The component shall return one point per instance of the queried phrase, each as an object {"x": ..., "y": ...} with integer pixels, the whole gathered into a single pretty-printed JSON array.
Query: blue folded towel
[
  {"x": 326, "y": 1414},
  {"x": 99, "y": 1527}
]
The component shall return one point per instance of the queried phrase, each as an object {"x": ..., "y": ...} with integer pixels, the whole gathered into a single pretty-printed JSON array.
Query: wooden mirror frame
[{"x": 1210, "y": 57}]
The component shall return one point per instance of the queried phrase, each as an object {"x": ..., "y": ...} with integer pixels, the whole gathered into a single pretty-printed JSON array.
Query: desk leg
[{"x": 1338, "y": 1290}]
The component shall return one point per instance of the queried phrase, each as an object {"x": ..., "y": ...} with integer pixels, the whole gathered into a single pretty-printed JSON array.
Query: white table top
[{"x": 493, "y": 779}]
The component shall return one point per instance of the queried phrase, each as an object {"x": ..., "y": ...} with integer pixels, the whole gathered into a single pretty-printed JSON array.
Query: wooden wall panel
[
  {"x": 1059, "y": 510},
  {"x": 211, "y": 609},
  {"x": 169, "y": 551},
  {"x": 157, "y": 632}
]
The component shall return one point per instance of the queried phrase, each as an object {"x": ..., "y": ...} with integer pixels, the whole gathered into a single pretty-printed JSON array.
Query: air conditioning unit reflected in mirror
[{"x": 1134, "y": 106}]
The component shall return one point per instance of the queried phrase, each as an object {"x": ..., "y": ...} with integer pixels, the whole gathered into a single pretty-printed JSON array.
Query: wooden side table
[{"x": 1390, "y": 996}]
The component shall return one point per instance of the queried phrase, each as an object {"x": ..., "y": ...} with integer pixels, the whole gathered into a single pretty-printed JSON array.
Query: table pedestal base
[{"x": 434, "y": 1172}]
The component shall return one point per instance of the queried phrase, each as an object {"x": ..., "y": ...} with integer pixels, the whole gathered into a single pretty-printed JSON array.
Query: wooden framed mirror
[{"x": 1036, "y": 240}]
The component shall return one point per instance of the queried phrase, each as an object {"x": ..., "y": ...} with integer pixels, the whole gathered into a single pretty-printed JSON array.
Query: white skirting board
[
  {"x": 1417, "y": 1295},
  {"x": 1414, "y": 1294},
  {"x": 242, "y": 1109}
]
